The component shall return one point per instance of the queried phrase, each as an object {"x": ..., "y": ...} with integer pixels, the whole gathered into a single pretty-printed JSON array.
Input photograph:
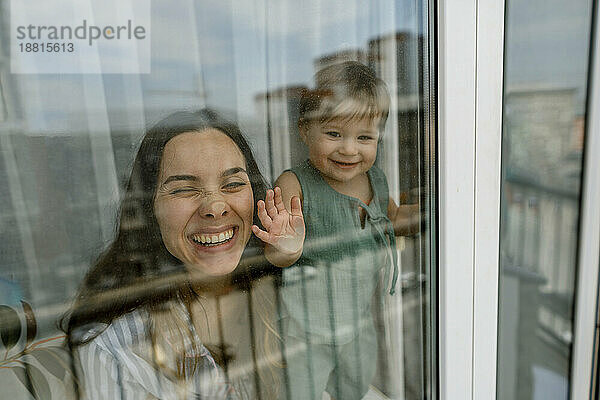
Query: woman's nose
[{"x": 214, "y": 206}]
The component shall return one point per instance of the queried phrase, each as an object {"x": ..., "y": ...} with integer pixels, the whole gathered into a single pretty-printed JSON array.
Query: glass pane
[
  {"x": 130, "y": 267},
  {"x": 545, "y": 87}
]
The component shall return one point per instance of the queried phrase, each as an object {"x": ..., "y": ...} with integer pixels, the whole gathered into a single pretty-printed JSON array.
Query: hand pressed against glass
[
  {"x": 204, "y": 202},
  {"x": 284, "y": 229}
]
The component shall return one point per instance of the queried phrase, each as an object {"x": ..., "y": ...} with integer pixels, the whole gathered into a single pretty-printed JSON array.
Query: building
[{"x": 280, "y": 109}]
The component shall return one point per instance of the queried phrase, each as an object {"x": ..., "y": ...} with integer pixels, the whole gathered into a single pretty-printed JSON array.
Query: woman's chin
[
  {"x": 217, "y": 266},
  {"x": 215, "y": 259}
]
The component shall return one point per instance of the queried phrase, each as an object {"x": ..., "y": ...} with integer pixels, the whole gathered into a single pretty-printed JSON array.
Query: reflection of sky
[
  {"x": 547, "y": 44},
  {"x": 236, "y": 45},
  {"x": 222, "y": 54},
  {"x": 116, "y": 55}
]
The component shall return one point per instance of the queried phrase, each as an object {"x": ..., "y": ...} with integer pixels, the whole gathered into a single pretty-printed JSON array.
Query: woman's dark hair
[{"x": 137, "y": 270}]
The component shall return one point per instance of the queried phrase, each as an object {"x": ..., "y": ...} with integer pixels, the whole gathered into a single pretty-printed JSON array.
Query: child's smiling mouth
[{"x": 344, "y": 165}]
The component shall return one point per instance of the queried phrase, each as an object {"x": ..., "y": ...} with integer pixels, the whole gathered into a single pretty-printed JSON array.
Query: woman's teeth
[{"x": 213, "y": 239}]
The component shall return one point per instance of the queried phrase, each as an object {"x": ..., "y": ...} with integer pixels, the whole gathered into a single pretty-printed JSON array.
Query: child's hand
[
  {"x": 284, "y": 230},
  {"x": 405, "y": 218}
]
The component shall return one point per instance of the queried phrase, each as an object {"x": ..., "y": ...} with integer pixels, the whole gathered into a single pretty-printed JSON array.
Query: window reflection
[
  {"x": 543, "y": 131},
  {"x": 68, "y": 143}
]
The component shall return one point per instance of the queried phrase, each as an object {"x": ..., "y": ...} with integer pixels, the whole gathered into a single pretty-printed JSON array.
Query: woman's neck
[{"x": 211, "y": 286}]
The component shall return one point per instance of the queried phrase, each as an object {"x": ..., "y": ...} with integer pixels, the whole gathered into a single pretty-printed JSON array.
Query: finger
[
  {"x": 262, "y": 235},
  {"x": 392, "y": 209},
  {"x": 296, "y": 207},
  {"x": 270, "y": 204},
  {"x": 279, "y": 200},
  {"x": 410, "y": 208},
  {"x": 263, "y": 216}
]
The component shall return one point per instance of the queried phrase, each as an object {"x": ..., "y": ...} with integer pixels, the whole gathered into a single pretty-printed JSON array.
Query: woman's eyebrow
[
  {"x": 173, "y": 178},
  {"x": 233, "y": 171}
]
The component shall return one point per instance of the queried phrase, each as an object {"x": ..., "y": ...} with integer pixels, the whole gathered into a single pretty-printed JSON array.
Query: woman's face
[{"x": 204, "y": 202}]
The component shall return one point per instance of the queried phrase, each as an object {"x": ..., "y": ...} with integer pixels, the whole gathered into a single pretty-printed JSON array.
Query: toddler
[{"x": 327, "y": 222}]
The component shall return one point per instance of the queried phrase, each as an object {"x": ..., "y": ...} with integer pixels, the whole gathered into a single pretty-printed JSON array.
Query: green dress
[{"x": 327, "y": 293}]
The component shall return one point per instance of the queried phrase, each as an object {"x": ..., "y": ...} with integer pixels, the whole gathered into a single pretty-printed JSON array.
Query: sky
[
  {"x": 224, "y": 53},
  {"x": 547, "y": 44}
]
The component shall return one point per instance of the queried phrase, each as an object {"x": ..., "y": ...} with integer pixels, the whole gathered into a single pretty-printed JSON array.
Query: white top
[{"x": 118, "y": 364}]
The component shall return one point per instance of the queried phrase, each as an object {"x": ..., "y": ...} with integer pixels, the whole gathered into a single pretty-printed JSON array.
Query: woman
[{"x": 158, "y": 316}]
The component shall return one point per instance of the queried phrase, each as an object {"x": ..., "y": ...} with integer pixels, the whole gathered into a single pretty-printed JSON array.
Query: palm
[{"x": 284, "y": 230}]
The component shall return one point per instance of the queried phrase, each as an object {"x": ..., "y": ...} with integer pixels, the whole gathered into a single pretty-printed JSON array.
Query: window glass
[
  {"x": 545, "y": 87},
  {"x": 129, "y": 261}
]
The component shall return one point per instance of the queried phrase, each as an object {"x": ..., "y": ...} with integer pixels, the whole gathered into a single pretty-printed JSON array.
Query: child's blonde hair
[{"x": 348, "y": 90}]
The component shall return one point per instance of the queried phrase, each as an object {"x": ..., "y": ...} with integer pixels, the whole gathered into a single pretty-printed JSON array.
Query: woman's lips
[
  {"x": 215, "y": 240},
  {"x": 218, "y": 236}
]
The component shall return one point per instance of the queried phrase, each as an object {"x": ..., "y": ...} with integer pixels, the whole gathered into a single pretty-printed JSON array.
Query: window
[
  {"x": 543, "y": 142},
  {"x": 68, "y": 145}
]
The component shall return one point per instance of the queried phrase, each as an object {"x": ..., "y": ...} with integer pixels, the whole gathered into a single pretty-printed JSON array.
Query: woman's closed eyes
[{"x": 228, "y": 186}]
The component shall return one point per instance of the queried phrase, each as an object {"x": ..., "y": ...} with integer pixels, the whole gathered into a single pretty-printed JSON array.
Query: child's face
[{"x": 342, "y": 149}]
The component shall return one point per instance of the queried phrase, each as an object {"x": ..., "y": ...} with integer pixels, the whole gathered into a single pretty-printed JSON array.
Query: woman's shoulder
[
  {"x": 123, "y": 332},
  {"x": 125, "y": 348}
]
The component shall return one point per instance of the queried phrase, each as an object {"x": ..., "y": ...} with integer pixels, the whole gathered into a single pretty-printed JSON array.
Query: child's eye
[
  {"x": 333, "y": 134},
  {"x": 365, "y": 137}
]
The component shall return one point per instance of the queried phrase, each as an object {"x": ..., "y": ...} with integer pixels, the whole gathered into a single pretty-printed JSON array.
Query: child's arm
[
  {"x": 405, "y": 218},
  {"x": 281, "y": 216}
]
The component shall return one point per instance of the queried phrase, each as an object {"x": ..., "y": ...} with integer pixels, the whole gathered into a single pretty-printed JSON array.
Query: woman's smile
[{"x": 211, "y": 239}]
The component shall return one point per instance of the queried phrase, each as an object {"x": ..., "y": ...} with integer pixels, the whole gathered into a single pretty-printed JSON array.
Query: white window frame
[
  {"x": 470, "y": 75},
  {"x": 586, "y": 290},
  {"x": 470, "y": 67}
]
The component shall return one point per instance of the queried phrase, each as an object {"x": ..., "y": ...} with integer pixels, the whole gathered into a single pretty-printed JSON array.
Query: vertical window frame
[
  {"x": 586, "y": 289},
  {"x": 471, "y": 52}
]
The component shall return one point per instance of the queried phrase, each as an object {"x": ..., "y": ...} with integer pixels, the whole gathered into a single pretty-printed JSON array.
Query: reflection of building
[
  {"x": 281, "y": 108},
  {"x": 340, "y": 56},
  {"x": 399, "y": 55},
  {"x": 396, "y": 58},
  {"x": 544, "y": 134},
  {"x": 542, "y": 164}
]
